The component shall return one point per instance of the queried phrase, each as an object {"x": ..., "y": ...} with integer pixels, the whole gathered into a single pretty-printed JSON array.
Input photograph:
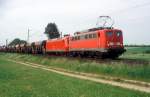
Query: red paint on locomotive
[
  {"x": 57, "y": 45},
  {"x": 99, "y": 40}
]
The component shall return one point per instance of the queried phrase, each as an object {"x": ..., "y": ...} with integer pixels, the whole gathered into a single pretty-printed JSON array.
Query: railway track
[{"x": 124, "y": 61}]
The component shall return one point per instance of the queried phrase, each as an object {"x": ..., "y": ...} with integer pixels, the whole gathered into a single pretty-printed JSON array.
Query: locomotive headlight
[
  {"x": 118, "y": 43},
  {"x": 111, "y": 43}
]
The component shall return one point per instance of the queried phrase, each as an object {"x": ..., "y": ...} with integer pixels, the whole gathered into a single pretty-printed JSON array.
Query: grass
[
  {"x": 116, "y": 69},
  {"x": 17, "y": 80},
  {"x": 141, "y": 53},
  {"x": 135, "y": 50}
]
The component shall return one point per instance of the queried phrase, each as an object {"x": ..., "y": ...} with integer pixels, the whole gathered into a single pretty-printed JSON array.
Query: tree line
[
  {"x": 51, "y": 31},
  {"x": 136, "y": 45}
]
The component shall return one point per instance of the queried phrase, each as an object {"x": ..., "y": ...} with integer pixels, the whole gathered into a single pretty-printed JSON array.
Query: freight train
[{"x": 99, "y": 42}]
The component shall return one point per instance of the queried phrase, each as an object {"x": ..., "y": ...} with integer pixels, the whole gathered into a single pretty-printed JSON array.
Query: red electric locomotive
[
  {"x": 58, "y": 46},
  {"x": 100, "y": 42}
]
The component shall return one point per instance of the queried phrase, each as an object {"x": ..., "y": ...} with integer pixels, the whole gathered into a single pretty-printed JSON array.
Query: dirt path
[{"x": 84, "y": 77}]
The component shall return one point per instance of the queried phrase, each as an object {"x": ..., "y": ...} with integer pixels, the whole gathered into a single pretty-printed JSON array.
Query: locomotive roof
[
  {"x": 91, "y": 30},
  {"x": 55, "y": 39}
]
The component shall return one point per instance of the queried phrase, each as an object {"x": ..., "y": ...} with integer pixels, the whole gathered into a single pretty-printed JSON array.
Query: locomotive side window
[
  {"x": 86, "y": 36},
  {"x": 118, "y": 34},
  {"x": 94, "y": 36},
  {"x": 72, "y": 39},
  {"x": 109, "y": 34},
  {"x": 78, "y": 38},
  {"x": 90, "y": 35},
  {"x": 75, "y": 38},
  {"x": 82, "y": 37}
]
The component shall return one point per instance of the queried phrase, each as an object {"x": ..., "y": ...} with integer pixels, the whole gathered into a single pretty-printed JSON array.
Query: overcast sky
[{"x": 16, "y": 16}]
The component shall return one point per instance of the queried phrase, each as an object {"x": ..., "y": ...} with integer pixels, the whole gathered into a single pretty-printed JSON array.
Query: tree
[
  {"x": 17, "y": 41},
  {"x": 52, "y": 31}
]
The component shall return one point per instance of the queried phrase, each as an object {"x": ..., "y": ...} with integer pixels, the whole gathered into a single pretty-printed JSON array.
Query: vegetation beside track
[
  {"x": 17, "y": 80},
  {"x": 135, "y": 50},
  {"x": 139, "y": 53},
  {"x": 111, "y": 68}
]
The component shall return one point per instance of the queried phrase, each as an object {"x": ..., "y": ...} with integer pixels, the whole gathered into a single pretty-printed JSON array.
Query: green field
[
  {"x": 141, "y": 53},
  {"x": 138, "y": 50},
  {"x": 17, "y": 80},
  {"x": 120, "y": 69}
]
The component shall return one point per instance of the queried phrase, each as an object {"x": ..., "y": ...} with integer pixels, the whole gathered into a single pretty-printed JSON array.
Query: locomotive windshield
[
  {"x": 109, "y": 34},
  {"x": 118, "y": 34}
]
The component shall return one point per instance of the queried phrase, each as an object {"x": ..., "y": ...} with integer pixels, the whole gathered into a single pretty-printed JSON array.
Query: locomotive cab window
[
  {"x": 109, "y": 34},
  {"x": 118, "y": 34}
]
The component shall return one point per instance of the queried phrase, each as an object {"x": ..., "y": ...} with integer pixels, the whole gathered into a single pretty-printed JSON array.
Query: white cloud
[{"x": 72, "y": 15}]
